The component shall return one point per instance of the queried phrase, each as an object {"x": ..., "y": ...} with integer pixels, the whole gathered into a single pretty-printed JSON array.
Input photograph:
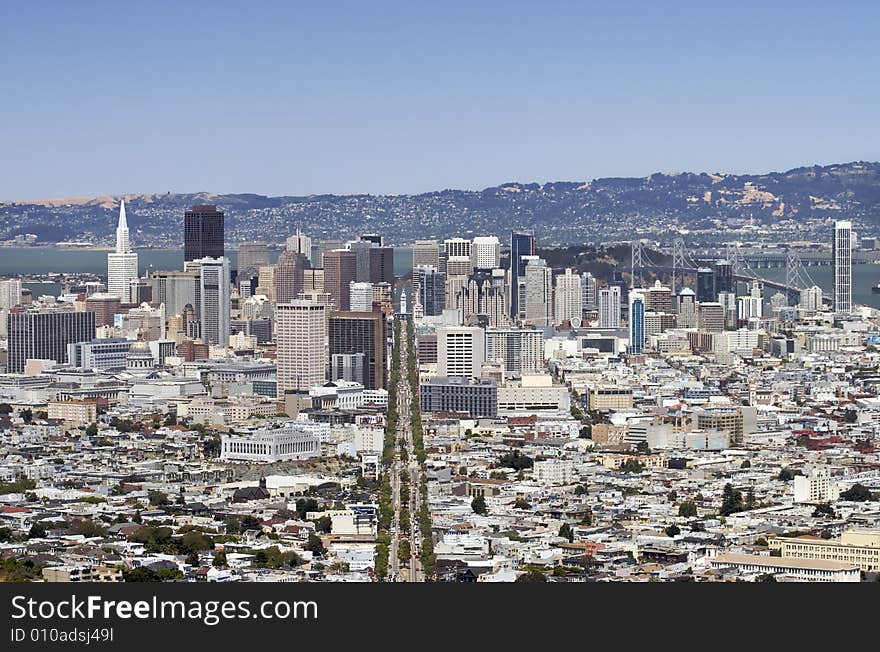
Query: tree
[
  {"x": 89, "y": 528},
  {"x": 672, "y": 496},
  {"x": 521, "y": 503},
  {"x": 305, "y": 505},
  {"x": 195, "y": 541},
  {"x": 642, "y": 448},
  {"x": 687, "y": 509},
  {"x": 158, "y": 498},
  {"x": 219, "y": 559},
  {"x": 632, "y": 465},
  {"x": 857, "y": 493},
  {"x": 761, "y": 541},
  {"x": 516, "y": 461},
  {"x": 37, "y": 531},
  {"x": 581, "y": 490},
  {"x": 823, "y": 509},
  {"x": 324, "y": 524},
  {"x": 731, "y": 501},
  {"x": 746, "y": 464},
  {"x": 765, "y": 577},
  {"x": 192, "y": 559},
  {"x": 532, "y": 576},
  {"x": 478, "y": 504},
  {"x": 5, "y": 408},
  {"x": 787, "y": 474},
  {"x": 27, "y": 415},
  {"x": 316, "y": 546},
  {"x": 566, "y": 532},
  {"x": 672, "y": 530},
  {"x": 92, "y": 430},
  {"x": 750, "y": 499}
]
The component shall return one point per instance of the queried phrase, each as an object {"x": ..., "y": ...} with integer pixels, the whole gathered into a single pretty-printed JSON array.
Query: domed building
[{"x": 139, "y": 358}]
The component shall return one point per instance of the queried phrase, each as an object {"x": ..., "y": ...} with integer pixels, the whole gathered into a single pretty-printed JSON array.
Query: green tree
[
  {"x": 92, "y": 430},
  {"x": 478, "y": 504},
  {"x": 532, "y": 576},
  {"x": 521, "y": 503},
  {"x": 192, "y": 559},
  {"x": 219, "y": 559},
  {"x": 642, "y": 448},
  {"x": 316, "y": 546},
  {"x": 746, "y": 464},
  {"x": 858, "y": 493},
  {"x": 27, "y": 415},
  {"x": 731, "y": 501},
  {"x": 566, "y": 532},
  {"x": 687, "y": 509},
  {"x": 581, "y": 490},
  {"x": 672, "y": 530}
]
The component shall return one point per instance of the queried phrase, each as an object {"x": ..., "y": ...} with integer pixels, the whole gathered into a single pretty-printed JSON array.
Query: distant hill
[{"x": 799, "y": 201}]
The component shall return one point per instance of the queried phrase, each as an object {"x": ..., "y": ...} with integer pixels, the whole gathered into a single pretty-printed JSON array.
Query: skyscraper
[
  {"x": 301, "y": 331},
  {"x": 431, "y": 286},
  {"x": 381, "y": 265},
  {"x": 636, "y": 322},
  {"x": 214, "y": 297},
  {"x": 461, "y": 351},
  {"x": 361, "y": 250},
  {"x": 122, "y": 265},
  {"x": 360, "y": 297},
  {"x": 426, "y": 252},
  {"x": 45, "y": 334},
  {"x": 591, "y": 291},
  {"x": 203, "y": 233},
  {"x": 251, "y": 257},
  {"x": 299, "y": 243},
  {"x": 10, "y": 292},
  {"x": 360, "y": 332},
  {"x": 521, "y": 244},
  {"x": 340, "y": 269},
  {"x": 609, "y": 307},
  {"x": 568, "y": 299},
  {"x": 706, "y": 285},
  {"x": 841, "y": 257},
  {"x": 458, "y": 247},
  {"x": 289, "y": 275},
  {"x": 724, "y": 277},
  {"x": 486, "y": 252},
  {"x": 539, "y": 293}
]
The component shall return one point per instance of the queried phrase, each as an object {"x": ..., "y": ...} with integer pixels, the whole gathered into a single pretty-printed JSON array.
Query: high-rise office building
[
  {"x": 300, "y": 335},
  {"x": 458, "y": 247},
  {"x": 636, "y": 321},
  {"x": 538, "y": 293},
  {"x": 431, "y": 286},
  {"x": 521, "y": 244},
  {"x": 300, "y": 243},
  {"x": 340, "y": 269},
  {"x": 203, "y": 233},
  {"x": 10, "y": 293},
  {"x": 360, "y": 332},
  {"x": 521, "y": 351},
  {"x": 568, "y": 299},
  {"x": 361, "y": 250},
  {"x": 426, "y": 253},
  {"x": 251, "y": 257},
  {"x": 706, "y": 285},
  {"x": 375, "y": 238},
  {"x": 461, "y": 351},
  {"x": 104, "y": 305},
  {"x": 687, "y": 309},
  {"x": 609, "y": 307},
  {"x": 176, "y": 289},
  {"x": 724, "y": 277},
  {"x": 658, "y": 298},
  {"x": 122, "y": 265},
  {"x": 841, "y": 258},
  {"x": 45, "y": 334},
  {"x": 381, "y": 265},
  {"x": 811, "y": 299},
  {"x": 486, "y": 252},
  {"x": 591, "y": 291},
  {"x": 484, "y": 297},
  {"x": 214, "y": 296},
  {"x": 360, "y": 297},
  {"x": 289, "y": 275}
]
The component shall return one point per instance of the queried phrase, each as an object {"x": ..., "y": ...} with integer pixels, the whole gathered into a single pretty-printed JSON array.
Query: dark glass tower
[
  {"x": 706, "y": 285},
  {"x": 203, "y": 233},
  {"x": 522, "y": 243},
  {"x": 723, "y": 277}
]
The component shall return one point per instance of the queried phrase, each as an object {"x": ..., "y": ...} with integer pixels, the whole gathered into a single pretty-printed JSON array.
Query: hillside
[{"x": 799, "y": 201}]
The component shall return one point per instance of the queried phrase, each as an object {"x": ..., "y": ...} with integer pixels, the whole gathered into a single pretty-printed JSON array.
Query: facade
[
  {"x": 486, "y": 252},
  {"x": 522, "y": 243},
  {"x": 177, "y": 290},
  {"x": 554, "y": 472},
  {"x": 340, "y": 269},
  {"x": 816, "y": 486},
  {"x": 609, "y": 397},
  {"x": 860, "y": 548},
  {"x": 484, "y": 297},
  {"x": 251, "y": 257},
  {"x": 724, "y": 277},
  {"x": 102, "y": 354},
  {"x": 609, "y": 307},
  {"x": 802, "y": 570},
  {"x": 461, "y": 351},
  {"x": 80, "y": 412},
  {"x": 457, "y": 248},
  {"x": 289, "y": 442},
  {"x": 841, "y": 258},
  {"x": 687, "y": 309},
  {"x": 45, "y": 334},
  {"x": 301, "y": 328},
  {"x": 706, "y": 285},
  {"x": 591, "y": 291},
  {"x": 360, "y": 332},
  {"x": 214, "y": 295},
  {"x": 431, "y": 285},
  {"x": 711, "y": 317},
  {"x": 10, "y": 293},
  {"x": 426, "y": 253},
  {"x": 203, "y": 233},
  {"x": 568, "y": 299},
  {"x": 122, "y": 265},
  {"x": 381, "y": 265},
  {"x": 299, "y": 243},
  {"x": 105, "y": 306},
  {"x": 520, "y": 351},
  {"x": 360, "y": 297},
  {"x": 289, "y": 275},
  {"x": 478, "y": 398},
  {"x": 538, "y": 293}
]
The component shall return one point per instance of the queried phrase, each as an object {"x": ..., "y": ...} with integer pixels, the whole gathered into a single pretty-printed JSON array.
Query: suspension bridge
[{"x": 683, "y": 262}]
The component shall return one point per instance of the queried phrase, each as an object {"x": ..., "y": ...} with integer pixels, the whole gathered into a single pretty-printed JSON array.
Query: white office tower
[
  {"x": 300, "y": 244},
  {"x": 457, "y": 247},
  {"x": 841, "y": 258},
  {"x": 214, "y": 300},
  {"x": 539, "y": 292},
  {"x": 10, "y": 293},
  {"x": 687, "y": 309},
  {"x": 122, "y": 265},
  {"x": 361, "y": 297},
  {"x": 591, "y": 291},
  {"x": 609, "y": 307},
  {"x": 426, "y": 253},
  {"x": 486, "y": 252},
  {"x": 301, "y": 334},
  {"x": 458, "y": 266},
  {"x": 811, "y": 299},
  {"x": 568, "y": 299},
  {"x": 749, "y": 307},
  {"x": 461, "y": 351}
]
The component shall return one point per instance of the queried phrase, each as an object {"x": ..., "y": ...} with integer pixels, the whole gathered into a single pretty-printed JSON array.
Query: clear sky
[{"x": 403, "y": 97}]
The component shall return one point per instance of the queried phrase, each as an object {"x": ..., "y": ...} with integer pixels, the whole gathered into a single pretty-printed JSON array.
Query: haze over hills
[{"x": 801, "y": 200}]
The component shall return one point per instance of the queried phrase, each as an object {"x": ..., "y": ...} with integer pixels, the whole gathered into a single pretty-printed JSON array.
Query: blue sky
[{"x": 402, "y": 97}]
